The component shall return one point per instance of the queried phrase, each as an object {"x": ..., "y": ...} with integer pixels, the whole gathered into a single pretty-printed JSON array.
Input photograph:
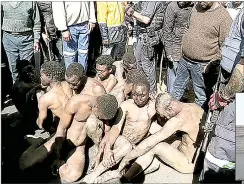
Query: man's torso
[{"x": 138, "y": 121}]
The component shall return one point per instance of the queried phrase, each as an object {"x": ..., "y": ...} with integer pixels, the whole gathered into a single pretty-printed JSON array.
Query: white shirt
[
  {"x": 72, "y": 13},
  {"x": 234, "y": 11}
]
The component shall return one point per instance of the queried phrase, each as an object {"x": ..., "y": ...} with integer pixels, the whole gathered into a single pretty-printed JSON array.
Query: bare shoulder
[
  {"x": 196, "y": 109},
  {"x": 78, "y": 99},
  {"x": 126, "y": 104},
  {"x": 46, "y": 99},
  {"x": 112, "y": 78},
  {"x": 97, "y": 87}
]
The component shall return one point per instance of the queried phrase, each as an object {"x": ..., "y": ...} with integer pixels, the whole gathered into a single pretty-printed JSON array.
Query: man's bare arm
[
  {"x": 116, "y": 129},
  {"x": 70, "y": 109},
  {"x": 167, "y": 130},
  {"x": 43, "y": 107},
  {"x": 235, "y": 84},
  {"x": 141, "y": 18},
  {"x": 110, "y": 85},
  {"x": 98, "y": 90},
  {"x": 155, "y": 127}
]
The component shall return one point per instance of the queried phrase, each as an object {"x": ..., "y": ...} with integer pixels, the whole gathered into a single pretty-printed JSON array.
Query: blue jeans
[
  {"x": 18, "y": 47},
  {"x": 171, "y": 74},
  {"x": 77, "y": 47},
  {"x": 187, "y": 69}
]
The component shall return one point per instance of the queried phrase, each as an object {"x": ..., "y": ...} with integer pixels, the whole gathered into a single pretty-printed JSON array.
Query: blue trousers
[
  {"x": 76, "y": 50},
  {"x": 18, "y": 47}
]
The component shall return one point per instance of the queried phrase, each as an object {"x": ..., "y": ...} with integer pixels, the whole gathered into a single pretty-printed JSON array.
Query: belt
[
  {"x": 195, "y": 60},
  {"x": 19, "y": 33},
  {"x": 220, "y": 163}
]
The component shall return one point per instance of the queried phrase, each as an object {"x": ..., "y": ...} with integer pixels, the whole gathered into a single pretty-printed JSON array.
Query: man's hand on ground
[
  {"x": 91, "y": 26},
  {"x": 216, "y": 102},
  {"x": 66, "y": 35}
]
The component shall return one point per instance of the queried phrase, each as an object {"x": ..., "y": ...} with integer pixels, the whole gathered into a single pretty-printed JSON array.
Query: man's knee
[{"x": 69, "y": 174}]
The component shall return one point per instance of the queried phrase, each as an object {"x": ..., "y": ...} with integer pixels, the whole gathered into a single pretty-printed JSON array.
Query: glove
[
  {"x": 129, "y": 10},
  {"x": 216, "y": 102},
  {"x": 56, "y": 165},
  {"x": 57, "y": 146}
]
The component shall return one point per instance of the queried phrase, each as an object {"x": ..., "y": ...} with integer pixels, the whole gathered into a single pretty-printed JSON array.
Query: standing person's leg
[
  {"x": 199, "y": 87},
  {"x": 171, "y": 73},
  {"x": 182, "y": 78},
  {"x": 11, "y": 48},
  {"x": 148, "y": 65},
  {"x": 26, "y": 47},
  {"x": 70, "y": 48},
  {"x": 83, "y": 43}
]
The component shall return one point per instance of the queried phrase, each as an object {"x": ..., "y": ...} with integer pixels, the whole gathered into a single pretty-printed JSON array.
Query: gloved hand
[
  {"x": 129, "y": 10},
  {"x": 56, "y": 165},
  {"x": 58, "y": 145},
  {"x": 216, "y": 102}
]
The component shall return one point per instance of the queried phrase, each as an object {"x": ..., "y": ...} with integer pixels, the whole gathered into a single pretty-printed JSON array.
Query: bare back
[
  {"x": 138, "y": 121},
  {"x": 82, "y": 108},
  {"x": 58, "y": 97},
  {"x": 192, "y": 116},
  {"x": 93, "y": 88}
]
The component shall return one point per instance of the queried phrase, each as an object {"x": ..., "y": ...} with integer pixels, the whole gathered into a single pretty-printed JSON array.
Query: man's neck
[{"x": 55, "y": 84}]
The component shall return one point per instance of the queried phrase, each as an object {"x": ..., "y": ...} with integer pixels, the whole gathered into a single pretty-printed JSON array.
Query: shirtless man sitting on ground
[
  {"x": 104, "y": 72},
  {"x": 80, "y": 110},
  {"x": 80, "y": 83},
  {"x": 58, "y": 91},
  {"x": 185, "y": 118},
  {"x": 134, "y": 120},
  {"x": 52, "y": 76},
  {"x": 86, "y": 111}
]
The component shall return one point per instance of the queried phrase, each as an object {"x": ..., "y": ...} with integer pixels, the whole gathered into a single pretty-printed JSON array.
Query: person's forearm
[
  {"x": 61, "y": 131},
  {"x": 141, "y": 18},
  {"x": 39, "y": 121},
  {"x": 113, "y": 135},
  {"x": 235, "y": 84},
  {"x": 103, "y": 144}
]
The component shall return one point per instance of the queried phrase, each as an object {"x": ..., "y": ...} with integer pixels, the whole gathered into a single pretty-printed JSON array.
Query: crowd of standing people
[{"x": 87, "y": 70}]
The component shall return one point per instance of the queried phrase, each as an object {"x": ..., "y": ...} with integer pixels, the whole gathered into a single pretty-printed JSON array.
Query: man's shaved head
[
  {"x": 75, "y": 69},
  {"x": 53, "y": 70},
  {"x": 164, "y": 99},
  {"x": 105, "y": 60},
  {"x": 107, "y": 106},
  {"x": 135, "y": 76}
]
